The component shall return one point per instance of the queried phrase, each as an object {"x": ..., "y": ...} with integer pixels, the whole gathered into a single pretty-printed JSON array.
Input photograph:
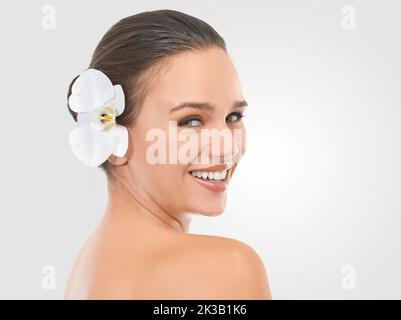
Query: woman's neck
[{"x": 128, "y": 202}]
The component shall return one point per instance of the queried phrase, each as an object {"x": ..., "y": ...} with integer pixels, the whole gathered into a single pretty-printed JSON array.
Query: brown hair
[{"x": 133, "y": 50}]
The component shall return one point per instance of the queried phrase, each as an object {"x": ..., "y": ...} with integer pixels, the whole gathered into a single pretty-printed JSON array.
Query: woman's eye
[
  {"x": 196, "y": 122},
  {"x": 234, "y": 117},
  {"x": 190, "y": 122}
]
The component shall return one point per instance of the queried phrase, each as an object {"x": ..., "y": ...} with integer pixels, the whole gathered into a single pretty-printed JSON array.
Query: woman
[{"x": 168, "y": 68}]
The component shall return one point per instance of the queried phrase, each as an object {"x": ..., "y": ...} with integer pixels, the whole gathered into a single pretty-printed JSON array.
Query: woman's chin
[
  {"x": 207, "y": 198},
  {"x": 211, "y": 208}
]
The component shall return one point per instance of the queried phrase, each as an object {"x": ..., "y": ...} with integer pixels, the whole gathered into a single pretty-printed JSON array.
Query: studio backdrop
[{"x": 318, "y": 193}]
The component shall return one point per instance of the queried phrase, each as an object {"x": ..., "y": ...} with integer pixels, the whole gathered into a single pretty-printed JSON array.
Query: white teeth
[
  {"x": 223, "y": 175},
  {"x": 212, "y": 175}
]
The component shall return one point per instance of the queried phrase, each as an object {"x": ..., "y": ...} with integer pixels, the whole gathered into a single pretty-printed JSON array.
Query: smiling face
[{"x": 198, "y": 90}]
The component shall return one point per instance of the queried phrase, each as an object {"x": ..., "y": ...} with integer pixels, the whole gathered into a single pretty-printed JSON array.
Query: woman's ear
[{"x": 117, "y": 160}]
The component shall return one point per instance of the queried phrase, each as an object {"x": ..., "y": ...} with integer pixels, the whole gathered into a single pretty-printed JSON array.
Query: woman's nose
[{"x": 223, "y": 146}]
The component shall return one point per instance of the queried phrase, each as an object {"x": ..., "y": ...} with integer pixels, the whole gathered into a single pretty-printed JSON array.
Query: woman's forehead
[{"x": 202, "y": 75}]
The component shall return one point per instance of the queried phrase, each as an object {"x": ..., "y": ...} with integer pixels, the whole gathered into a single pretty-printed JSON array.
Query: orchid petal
[
  {"x": 121, "y": 132},
  {"x": 118, "y": 101},
  {"x": 79, "y": 103},
  {"x": 90, "y": 146},
  {"x": 83, "y": 118},
  {"x": 91, "y": 90}
]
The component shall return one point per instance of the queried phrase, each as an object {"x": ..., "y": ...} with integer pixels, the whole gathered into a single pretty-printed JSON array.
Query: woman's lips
[{"x": 213, "y": 185}]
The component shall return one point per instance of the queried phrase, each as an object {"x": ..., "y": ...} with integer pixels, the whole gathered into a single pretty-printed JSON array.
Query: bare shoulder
[
  {"x": 179, "y": 267},
  {"x": 212, "y": 267}
]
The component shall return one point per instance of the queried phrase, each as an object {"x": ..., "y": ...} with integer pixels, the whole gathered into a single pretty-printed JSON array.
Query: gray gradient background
[{"x": 318, "y": 189}]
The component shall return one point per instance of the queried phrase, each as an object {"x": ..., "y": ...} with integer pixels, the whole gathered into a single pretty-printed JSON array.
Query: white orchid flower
[{"x": 97, "y": 103}]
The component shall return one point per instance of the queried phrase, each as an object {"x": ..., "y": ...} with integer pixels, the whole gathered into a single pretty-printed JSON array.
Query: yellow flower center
[{"x": 103, "y": 118}]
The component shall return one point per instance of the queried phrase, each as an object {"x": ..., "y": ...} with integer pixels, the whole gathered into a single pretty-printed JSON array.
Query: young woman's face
[{"x": 208, "y": 78}]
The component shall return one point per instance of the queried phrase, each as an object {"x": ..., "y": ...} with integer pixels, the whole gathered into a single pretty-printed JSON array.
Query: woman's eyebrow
[{"x": 205, "y": 105}]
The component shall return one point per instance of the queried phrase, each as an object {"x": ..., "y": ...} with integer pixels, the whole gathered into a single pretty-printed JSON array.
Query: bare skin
[{"x": 141, "y": 248}]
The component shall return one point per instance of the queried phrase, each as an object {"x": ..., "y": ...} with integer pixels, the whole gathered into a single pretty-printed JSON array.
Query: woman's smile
[{"x": 215, "y": 178}]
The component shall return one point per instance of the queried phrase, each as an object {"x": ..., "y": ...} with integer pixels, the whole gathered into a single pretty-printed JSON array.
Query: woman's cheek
[{"x": 243, "y": 141}]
